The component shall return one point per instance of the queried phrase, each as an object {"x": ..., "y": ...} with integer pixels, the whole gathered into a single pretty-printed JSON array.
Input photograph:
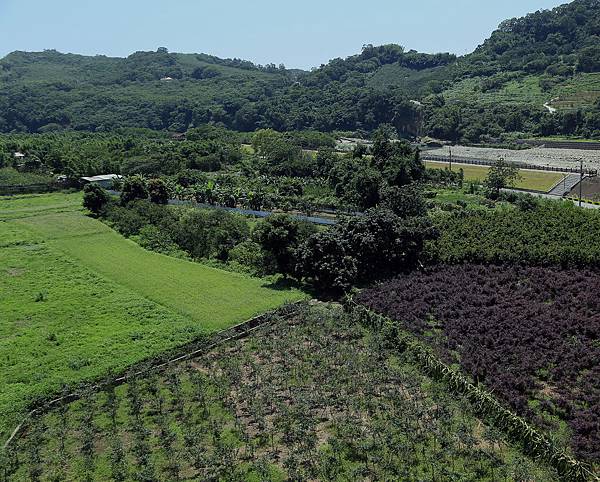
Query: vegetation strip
[
  {"x": 158, "y": 363},
  {"x": 484, "y": 403}
]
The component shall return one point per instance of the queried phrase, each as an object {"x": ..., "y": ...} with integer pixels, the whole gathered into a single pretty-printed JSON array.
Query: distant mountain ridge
[{"x": 547, "y": 61}]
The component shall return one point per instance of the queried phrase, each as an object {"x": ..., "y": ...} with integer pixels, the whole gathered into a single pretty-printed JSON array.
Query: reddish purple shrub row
[{"x": 526, "y": 333}]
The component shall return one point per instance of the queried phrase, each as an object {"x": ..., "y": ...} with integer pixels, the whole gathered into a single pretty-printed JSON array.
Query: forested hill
[
  {"x": 548, "y": 57},
  {"x": 42, "y": 91}
]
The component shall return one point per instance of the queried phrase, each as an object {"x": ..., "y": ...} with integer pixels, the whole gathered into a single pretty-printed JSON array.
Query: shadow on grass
[
  {"x": 284, "y": 284},
  {"x": 288, "y": 284}
]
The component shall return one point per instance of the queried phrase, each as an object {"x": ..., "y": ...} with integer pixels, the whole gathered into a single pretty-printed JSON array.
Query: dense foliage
[
  {"x": 564, "y": 39},
  {"x": 314, "y": 397},
  {"x": 95, "y": 198},
  {"x": 528, "y": 334},
  {"x": 362, "y": 249},
  {"x": 544, "y": 54},
  {"x": 545, "y": 233}
]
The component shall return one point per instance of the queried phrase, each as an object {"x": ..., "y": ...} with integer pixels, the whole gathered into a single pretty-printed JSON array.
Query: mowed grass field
[
  {"x": 77, "y": 300},
  {"x": 529, "y": 179}
]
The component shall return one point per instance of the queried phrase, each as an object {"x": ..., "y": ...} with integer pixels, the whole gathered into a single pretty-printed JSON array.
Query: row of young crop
[
  {"x": 146, "y": 367},
  {"x": 485, "y": 404},
  {"x": 315, "y": 396},
  {"x": 549, "y": 233}
]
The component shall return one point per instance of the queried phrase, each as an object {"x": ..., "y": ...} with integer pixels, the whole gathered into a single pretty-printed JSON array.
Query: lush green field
[
  {"x": 531, "y": 180},
  {"x": 31, "y": 205},
  {"x": 78, "y": 299},
  {"x": 205, "y": 294}
]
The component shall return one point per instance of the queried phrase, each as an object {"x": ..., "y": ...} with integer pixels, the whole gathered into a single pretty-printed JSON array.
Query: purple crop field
[{"x": 531, "y": 335}]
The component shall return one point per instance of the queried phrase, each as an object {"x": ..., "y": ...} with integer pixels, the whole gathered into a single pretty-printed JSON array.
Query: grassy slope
[
  {"x": 582, "y": 90},
  {"x": 205, "y": 294},
  {"x": 106, "y": 302},
  {"x": 533, "y": 180}
]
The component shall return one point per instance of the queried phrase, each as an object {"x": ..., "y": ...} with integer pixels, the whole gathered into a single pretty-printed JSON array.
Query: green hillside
[{"x": 548, "y": 57}]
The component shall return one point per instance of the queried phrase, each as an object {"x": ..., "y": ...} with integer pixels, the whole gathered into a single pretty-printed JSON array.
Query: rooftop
[{"x": 102, "y": 177}]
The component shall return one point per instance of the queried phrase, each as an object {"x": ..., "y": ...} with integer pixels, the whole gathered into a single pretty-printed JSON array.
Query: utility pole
[
  {"x": 450, "y": 150},
  {"x": 580, "y": 179}
]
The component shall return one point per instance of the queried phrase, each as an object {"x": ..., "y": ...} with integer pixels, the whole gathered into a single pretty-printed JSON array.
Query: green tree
[
  {"x": 134, "y": 187},
  {"x": 364, "y": 248},
  {"x": 589, "y": 59},
  {"x": 501, "y": 175},
  {"x": 95, "y": 198},
  {"x": 279, "y": 236},
  {"x": 356, "y": 183},
  {"x": 274, "y": 146},
  {"x": 210, "y": 233},
  {"x": 406, "y": 201},
  {"x": 158, "y": 191},
  {"x": 324, "y": 261}
]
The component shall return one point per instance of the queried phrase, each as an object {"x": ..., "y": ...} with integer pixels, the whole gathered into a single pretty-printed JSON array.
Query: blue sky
[{"x": 303, "y": 33}]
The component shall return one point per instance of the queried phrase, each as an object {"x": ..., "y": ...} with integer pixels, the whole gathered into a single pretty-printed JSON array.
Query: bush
[
  {"x": 155, "y": 239},
  {"x": 210, "y": 233},
  {"x": 124, "y": 220},
  {"x": 95, "y": 198},
  {"x": 279, "y": 236},
  {"x": 134, "y": 187},
  {"x": 157, "y": 189},
  {"x": 251, "y": 259}
]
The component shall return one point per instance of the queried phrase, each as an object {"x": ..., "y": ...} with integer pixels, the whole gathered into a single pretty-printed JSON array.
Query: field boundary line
[
  {"x": 157, "y": 363},
  {"x": 483, "y": 402}
]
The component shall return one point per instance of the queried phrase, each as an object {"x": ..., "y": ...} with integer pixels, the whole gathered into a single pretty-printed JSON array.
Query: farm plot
[
  {"x": 77, "y": 300},
  {"x": 558, "y": 158},
  {"x": 529, "y": 179},
  {"x": 312, "y": 397},
  {"x": 12, "y": 207},
  {"x": 529, "y": 334},
  {"x": 209, "y": 296}
]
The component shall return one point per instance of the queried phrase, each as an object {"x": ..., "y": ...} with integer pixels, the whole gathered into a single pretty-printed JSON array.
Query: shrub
[
  {"x": 95, "y": 198},
  {"x": 209, "y": 233},
  {"x": 155, "y": 239},
  {"x": 124, "y": 220},
  {"x": 157, "y": 189},
  {"x": 134, "y": 187},
  {"x": 251, "y": 258}
]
